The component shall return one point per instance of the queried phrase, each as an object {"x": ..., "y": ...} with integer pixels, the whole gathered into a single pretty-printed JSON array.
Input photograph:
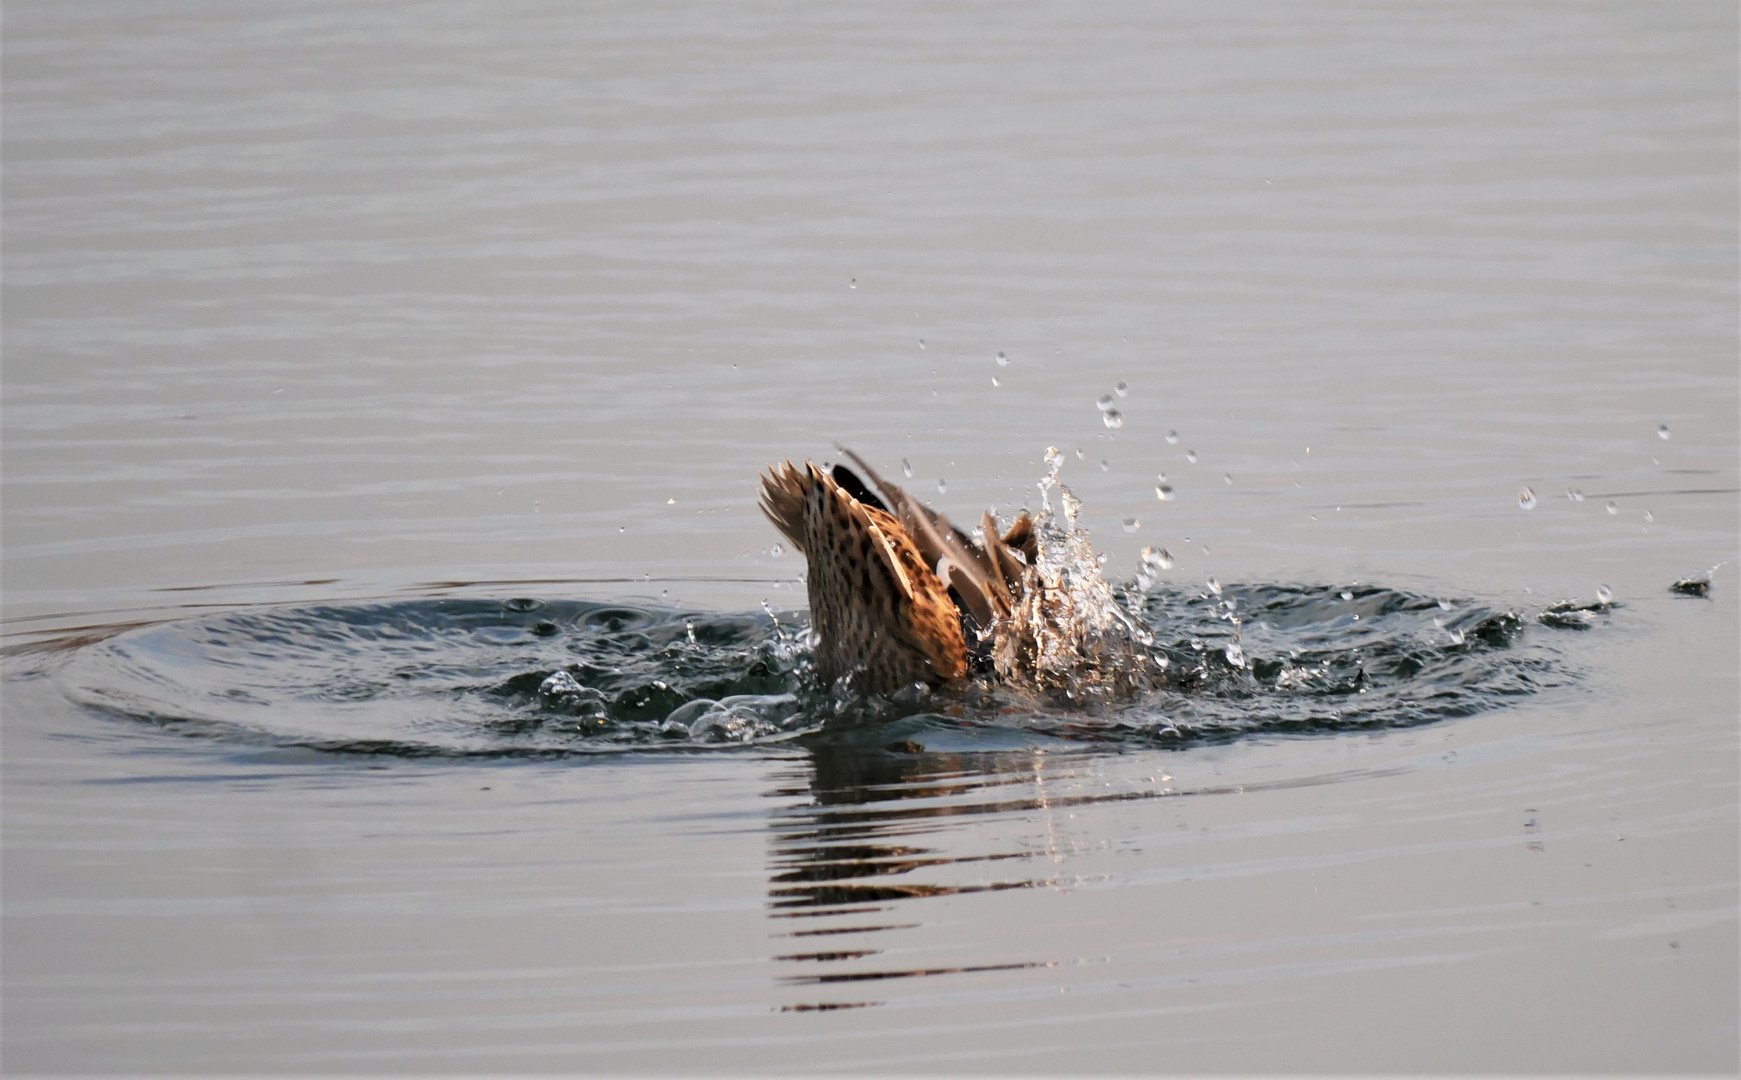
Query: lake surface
[{"x": 346, "y": 347}]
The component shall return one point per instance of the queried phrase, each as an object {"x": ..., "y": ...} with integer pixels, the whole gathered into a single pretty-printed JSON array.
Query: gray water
[{"x": 322, "y": 317}]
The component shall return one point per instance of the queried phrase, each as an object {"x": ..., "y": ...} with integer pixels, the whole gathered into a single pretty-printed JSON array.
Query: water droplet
[
  {"x": 1456, "y": 637},
  {"x": 1603, "y": 595},
  {"x": 670, "y": 502},
  {"x": 1054, "y": 458},
  {"x": 1444, "y": 605},
  {"x": 1574, "y": 494},
  {"x": 1112, "y": 418},
  {"x": 1526, "y": 498},
  {"x": 1162, "y": 558},
  {"x": 921, "y": 344},
  {"x": 1172, "y": 437},
  {"x": 1105, "y": 402},
  {"x": 994, "y": 381},
  {"x": 1191, "y": 456},
  {"x": 942, "y": 486},
  {"x": 1649, "y": 517},
  {"x": 1346, "y": 595},
  {"x": 1105, "y": 465},
  {"x": 1662, "y": 432},
  {"x": 1235, "y": 655},
  {"x": 1214, "y": 586},
  {"x": 1227, "y": 478},
  {"x": 1079, "y": 454},
  {"x": 1132, "y": 525},
  {"x": 777, "y": 550},
  {"x": 1002, "y": 360},
  {"x": 1122, "y": 389},
  {"x": 906, "y": 468},
  {"x": 1164, "y": 492},
  {"x": 1613, "y": 508},
  {"x": 853, "y": 284}
]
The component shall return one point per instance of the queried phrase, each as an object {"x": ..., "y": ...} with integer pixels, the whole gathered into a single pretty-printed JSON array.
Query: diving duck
[{"x": 898, "y": 595}]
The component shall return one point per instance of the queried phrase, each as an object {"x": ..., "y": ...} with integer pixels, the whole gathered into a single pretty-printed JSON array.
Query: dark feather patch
[{"x": 849, "y": 481}]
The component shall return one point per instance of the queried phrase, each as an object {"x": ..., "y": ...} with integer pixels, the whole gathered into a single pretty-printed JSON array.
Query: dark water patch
[{"x": 532, "y": 677}]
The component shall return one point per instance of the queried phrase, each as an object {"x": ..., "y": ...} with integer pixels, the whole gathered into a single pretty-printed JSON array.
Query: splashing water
[
  {"x": 1067, "y": 632},
  {"x": 422, "y": 678},
  {"x": 1079, "y": 660}
]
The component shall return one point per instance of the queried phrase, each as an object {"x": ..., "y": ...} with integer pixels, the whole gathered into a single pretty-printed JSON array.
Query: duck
[{"x": 898, "y": 595}]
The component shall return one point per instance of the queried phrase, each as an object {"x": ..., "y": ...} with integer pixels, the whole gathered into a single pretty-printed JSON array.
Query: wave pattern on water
[{"x": 545, "y": 678}]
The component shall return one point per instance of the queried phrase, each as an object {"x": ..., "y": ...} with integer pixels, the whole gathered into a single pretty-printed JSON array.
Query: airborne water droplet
[
  {"x": 1002, "y": 360},
  {"x": 921, "y": 344},
  {"x": 1526, "y": 498},
  {"x": 1164, "y": 492},
  {"x": 1112, "y": 418},
  {"x": 1227, "y": 478},
  {"x": 1574, "y": 494},
  {"x": 776, "y": 551},
  {"x": 1662, "y": 432},
  {"x": 1191, "y": 456},
  {"x": 1132, "y": 525},
  {"x": 1214, "y": 586},
  {"x": 1105, "y": 402},
  {"x": 1603, "y": 596},
  {"x": 1613, "y": 508},
  {"x": 1346, "y": 595},
  {"x": 994, "y": 381},
  {"x": 942, "y": 485},
  {"x": 1172, "y": 438},
  {"x": 1122, "y": 389},
  {"x": 853, "y": 284},
  {"x": 906, "y": 468},
  {"x": 1649, "y": 517},
  {"x": 1105, "y": 465}
]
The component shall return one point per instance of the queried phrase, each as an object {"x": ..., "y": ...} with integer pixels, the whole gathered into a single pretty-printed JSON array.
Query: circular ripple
[{"x": 531, "y": 677}]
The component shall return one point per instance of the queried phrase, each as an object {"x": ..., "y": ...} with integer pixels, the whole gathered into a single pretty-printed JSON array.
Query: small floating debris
[{"x": 1692, "y": 586}]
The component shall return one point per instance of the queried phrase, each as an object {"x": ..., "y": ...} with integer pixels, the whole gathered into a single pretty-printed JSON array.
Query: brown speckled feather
[{"x": 882, "y": 618}]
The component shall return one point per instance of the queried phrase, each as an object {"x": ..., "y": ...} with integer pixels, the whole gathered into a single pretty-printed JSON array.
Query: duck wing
[{"x": 970, "y": 569}]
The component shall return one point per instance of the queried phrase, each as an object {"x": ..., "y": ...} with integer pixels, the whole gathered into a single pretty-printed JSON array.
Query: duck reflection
[{"x": 869, "y": 839}]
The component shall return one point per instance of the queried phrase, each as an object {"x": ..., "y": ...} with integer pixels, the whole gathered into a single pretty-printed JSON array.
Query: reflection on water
[
  {"x": 883, "y": 828},
  {"x": 856, "y": 851}
]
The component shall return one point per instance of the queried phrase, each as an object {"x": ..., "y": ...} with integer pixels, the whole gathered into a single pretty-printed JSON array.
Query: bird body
[{"x": 897, "y": 594}]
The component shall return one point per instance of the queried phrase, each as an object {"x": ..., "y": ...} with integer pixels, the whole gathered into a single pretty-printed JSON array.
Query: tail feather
[{"x": 782, "y": 500}]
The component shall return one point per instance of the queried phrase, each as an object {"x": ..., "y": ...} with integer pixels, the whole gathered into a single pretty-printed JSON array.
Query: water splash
[
  {"x": 483, "y": 677},
  {"x": 1079, "y": 660},
  {"x": 1068, "y": 633}
]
